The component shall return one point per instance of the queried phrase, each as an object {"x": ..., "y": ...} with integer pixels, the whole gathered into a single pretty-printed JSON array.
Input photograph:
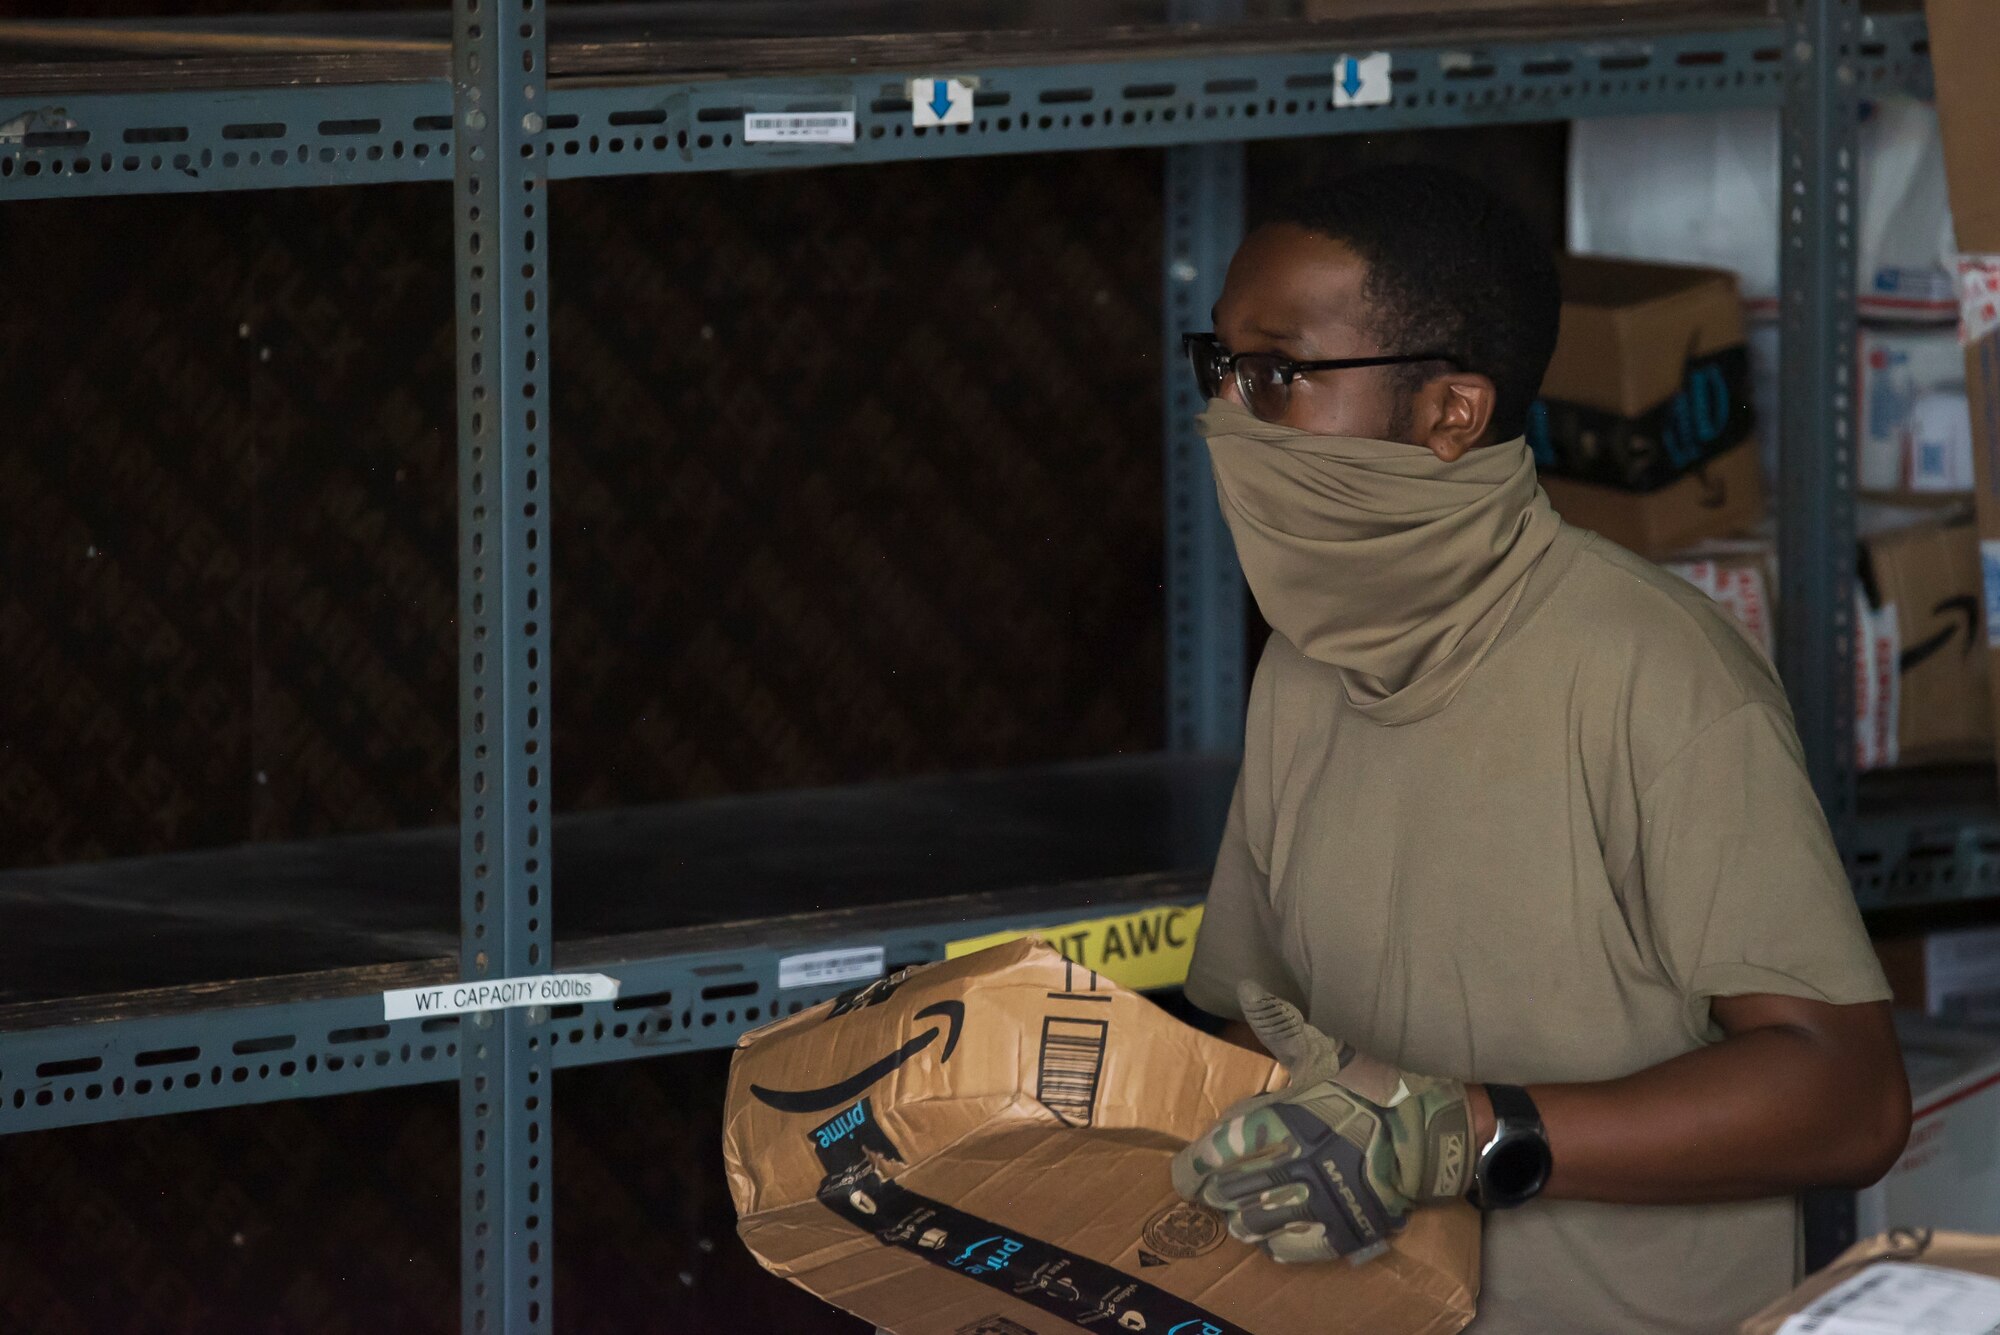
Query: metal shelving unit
[{"x": 290, "y": 1006}]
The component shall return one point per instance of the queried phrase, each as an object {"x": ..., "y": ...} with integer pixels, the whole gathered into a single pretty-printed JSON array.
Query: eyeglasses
[{"x": 1264, "y": 379}]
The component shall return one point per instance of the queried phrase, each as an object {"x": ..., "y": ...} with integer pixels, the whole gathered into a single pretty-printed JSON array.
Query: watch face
[{"x": 1514, "y": 1168}]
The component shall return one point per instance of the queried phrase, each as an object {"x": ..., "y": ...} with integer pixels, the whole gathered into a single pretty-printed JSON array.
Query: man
[{"x": 1522, "y": 819}]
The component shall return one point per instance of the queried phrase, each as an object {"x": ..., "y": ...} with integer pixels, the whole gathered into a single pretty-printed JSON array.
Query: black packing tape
[
  {"x": 1085, "y": 1293},
  {"x": 1707, "y": 415}
]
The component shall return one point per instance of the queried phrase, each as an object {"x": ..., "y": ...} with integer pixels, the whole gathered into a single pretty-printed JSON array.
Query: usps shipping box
[{"x": 1948, "y": 1176}]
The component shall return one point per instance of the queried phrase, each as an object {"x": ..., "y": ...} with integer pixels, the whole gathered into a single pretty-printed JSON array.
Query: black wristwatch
[{"x": 1514, "y": 1166}]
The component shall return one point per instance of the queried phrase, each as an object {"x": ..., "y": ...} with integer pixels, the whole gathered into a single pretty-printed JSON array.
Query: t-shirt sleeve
[
  {"x": 1239, "y": 931},
  {"x": 1744, "y": 891}
]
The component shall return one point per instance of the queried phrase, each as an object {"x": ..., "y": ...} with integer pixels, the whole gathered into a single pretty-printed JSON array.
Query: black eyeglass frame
[{"x": 1224, "y": 365}]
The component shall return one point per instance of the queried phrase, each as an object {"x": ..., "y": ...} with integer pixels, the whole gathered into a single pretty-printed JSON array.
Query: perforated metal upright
[
  {"x": 1205, "y": 649},
  {"x": 1816, "y": 437},
  {"x": 1816, "y": 425},
  {"x": 500, "y": 201},
  {"x": 1204, "y": 587}
]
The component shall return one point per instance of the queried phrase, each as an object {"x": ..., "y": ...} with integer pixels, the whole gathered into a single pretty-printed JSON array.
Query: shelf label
[
  {"x": 1149, "y": 948},
  {"x": 497, "y": 994},
  {"x": 941, "y": 101},
  {"x": 1361, "y": 81},
  {"x": 798, "y": 127},
  {"x": 829, "y": 966}
]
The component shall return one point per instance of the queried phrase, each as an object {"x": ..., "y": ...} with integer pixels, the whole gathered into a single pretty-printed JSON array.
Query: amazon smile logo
[
  {"x": 844, "y": 1091},
  {"x": 1967, "y": 607}
]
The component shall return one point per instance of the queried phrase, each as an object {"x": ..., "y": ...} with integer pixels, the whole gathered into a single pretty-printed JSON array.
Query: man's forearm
[{"x": 1766, "y": 1112}]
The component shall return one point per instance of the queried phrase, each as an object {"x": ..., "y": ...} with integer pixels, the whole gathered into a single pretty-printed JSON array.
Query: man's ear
[{"x": 1453, "y": 414}]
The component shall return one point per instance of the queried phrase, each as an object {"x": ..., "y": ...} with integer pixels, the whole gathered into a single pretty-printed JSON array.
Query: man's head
[{"x": 1392, "y": 261}]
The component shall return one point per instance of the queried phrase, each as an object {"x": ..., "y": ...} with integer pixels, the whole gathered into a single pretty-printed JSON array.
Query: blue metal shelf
[
  {"x": 680, "y": 991},
  {"x": 502, "y": 125},
  {"x": 246, "y": 975},
  {"x": 1927, "y": 839},
  {"x": 199, "y": 140}
]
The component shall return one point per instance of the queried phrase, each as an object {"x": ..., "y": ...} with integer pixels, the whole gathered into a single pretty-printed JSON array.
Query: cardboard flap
[
  {"x": 1629, "y": 328},
  {"x": 1968, "y": 105}
]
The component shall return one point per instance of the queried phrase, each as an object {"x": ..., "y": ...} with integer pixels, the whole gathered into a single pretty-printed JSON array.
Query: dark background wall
[{"x": 855, "y": 475}]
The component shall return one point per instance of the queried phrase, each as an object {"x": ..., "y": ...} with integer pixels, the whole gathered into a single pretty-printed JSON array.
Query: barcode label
[
  {"x": 799, "y": 127},
  {"x": 1072, "y": 1061}
]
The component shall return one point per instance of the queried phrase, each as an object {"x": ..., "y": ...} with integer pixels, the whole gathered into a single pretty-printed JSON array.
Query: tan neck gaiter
[{"x": 1376, "y": 557}]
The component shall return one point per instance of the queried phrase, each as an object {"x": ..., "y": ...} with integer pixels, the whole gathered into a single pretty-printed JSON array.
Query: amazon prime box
[
  {"x": 980, "y": 1147},
  {"x": 1717, "y": 497},
  {"x": 1930, "y": 575}
]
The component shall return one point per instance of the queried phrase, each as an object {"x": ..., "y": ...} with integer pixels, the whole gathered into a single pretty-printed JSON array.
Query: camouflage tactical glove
[{"x": 1332, "y": 1163}]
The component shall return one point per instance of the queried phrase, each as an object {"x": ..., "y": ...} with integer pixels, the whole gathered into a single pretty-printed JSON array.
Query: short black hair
[{"x": 1452, "y": 268}]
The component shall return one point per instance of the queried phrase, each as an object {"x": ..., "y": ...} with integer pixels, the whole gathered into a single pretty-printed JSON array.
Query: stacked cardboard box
[
  {"x": 1922, "y": 695},
  {"x": 1740, "y": 574},
  {"x": 1928, "y": 578},
  {"x": 1644, "y": 428}
]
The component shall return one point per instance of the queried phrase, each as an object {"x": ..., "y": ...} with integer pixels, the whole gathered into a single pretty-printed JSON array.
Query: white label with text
[
  {"x": 1891, "y": 1299},
  {"x": 799, "y": 127},
  {"x": 498, "y": 994},
  {"x": 829, "y": 966}
]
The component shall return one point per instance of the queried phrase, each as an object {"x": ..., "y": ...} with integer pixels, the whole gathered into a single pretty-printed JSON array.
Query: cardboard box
[
  {"x": 982, "y": 1145},
  {"x": 1948, "y": 975},
  {"x": 1892, "y": 1284},
  {"x": 1628, "y": 329},
  {"x": 1948, "y": 1176},
  {"x": 1741, "y": 575},
  {"x": 1968, "y": 104},
  {"x": 1650, "y": 375},
  {"x": 1930, "y": 575},
  {"x": 1723, "y": 496}
]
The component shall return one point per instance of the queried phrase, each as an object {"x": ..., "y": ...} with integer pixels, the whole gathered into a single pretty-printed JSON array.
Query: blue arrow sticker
[
  {"x": 1363, "y": 80},
  {"x": 947, "y": 101}
]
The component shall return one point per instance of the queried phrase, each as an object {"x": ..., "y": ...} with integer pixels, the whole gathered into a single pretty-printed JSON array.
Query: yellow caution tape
[{"x": 1148, "y": 948}]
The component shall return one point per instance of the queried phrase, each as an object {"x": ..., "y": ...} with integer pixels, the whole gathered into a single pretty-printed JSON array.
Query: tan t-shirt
[{"x": 1547, "y": 880}]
